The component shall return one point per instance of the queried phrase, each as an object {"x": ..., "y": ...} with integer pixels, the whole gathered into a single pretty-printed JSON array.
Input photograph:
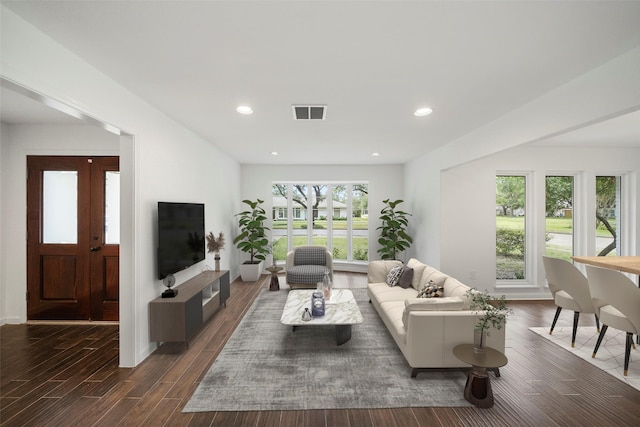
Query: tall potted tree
[
  {"x": 252, "y": 239},
  {"x": 393, "y": 236}
]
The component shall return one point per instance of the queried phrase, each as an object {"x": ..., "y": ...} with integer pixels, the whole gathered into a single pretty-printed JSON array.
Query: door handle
[{"x": 95, "y": 248}]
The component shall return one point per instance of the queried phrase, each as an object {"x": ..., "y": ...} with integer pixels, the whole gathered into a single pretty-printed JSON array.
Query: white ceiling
[{"x": 371, "y": 63}]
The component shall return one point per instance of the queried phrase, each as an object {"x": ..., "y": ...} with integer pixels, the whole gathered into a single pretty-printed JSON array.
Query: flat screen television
[{"x": 181, "y": 239}]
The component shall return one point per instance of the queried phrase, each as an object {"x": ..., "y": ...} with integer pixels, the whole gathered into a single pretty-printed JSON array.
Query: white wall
[
  {"x": 4, "y": 136},
  {"x": 160, "y": 160},
  {"x": 385, "y": 181}
]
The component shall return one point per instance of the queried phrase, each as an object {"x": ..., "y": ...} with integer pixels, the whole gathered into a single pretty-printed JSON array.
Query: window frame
[
  {"x": 530, "y": 232},
  {"x": 329, "y": 186}
]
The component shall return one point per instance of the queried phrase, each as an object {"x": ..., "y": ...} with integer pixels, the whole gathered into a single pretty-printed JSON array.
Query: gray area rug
[{"x": 266, "y": 366}]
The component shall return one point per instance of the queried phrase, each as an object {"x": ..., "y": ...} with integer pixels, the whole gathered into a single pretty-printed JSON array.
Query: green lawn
[
  {"x": 513, "y": 267},
  {"x": 554, "y": 225},
  {"x": 360, "y": 246}
]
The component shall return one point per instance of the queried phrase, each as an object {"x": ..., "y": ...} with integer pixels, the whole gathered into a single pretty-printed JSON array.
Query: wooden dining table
[{"x": 628, "y": 264}]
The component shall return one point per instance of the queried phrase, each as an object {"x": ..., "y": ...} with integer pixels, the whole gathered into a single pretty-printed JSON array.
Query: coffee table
[{"x": 341, "y": 311}]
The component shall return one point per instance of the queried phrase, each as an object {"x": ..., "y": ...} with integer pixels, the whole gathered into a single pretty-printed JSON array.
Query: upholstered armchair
[{"x": 306, "y": 265}]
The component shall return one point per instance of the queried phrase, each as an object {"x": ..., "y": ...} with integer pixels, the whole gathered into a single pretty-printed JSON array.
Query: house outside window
[{"x": 322, "y": 214}]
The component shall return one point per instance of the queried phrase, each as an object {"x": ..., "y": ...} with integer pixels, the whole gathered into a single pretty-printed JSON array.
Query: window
[
  {"x": 335, "y": 218},
  {"x": 608, "y": 190},
  {"x": 559, "y": 217},
  {"x": 510, "y": 227}
]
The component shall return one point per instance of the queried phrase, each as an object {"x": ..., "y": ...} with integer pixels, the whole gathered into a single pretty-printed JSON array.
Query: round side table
[
  {"x": 478, "y": 388},
  {"x": 275, "y": 282}
]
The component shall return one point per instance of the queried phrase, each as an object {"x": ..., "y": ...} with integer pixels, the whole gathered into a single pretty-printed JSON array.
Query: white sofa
[{"x": 426, "y": 329}]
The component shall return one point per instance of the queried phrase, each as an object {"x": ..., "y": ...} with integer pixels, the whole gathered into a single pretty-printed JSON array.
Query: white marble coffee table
[{"x": 341, "y": 311}]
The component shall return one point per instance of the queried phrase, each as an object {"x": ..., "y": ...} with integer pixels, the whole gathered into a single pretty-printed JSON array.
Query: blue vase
[{"x": 317, "y": 304}]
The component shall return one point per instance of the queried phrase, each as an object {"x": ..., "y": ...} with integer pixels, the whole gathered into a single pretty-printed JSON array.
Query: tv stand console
[{"x": 178, "y": 319}]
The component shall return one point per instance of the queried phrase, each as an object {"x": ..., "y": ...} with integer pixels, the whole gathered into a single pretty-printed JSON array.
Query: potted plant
[
  {"x": 252, "y": 239},
  {"x": 493, "y": 313},
  {"x": 215, "y": 245},
  {"x": 393, "y": 237}
]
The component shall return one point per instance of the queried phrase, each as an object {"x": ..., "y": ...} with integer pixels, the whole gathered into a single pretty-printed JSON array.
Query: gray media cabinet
[{"x": 178, "y": 319}]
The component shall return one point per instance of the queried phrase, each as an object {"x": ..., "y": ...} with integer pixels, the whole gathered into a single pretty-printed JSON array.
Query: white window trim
[
  {"x": 330, "y": 185},
  {"x": 530, "y": 229}
]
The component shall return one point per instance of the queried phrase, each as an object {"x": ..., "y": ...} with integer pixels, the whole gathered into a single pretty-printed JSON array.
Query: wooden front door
[{"x": 73, "y": 237}]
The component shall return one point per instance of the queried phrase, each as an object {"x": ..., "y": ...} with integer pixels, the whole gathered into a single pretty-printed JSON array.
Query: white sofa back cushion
[
  {"x": 454, "y": 288},
  {"x": 437, "y": 276},
  {"x": 378, "y": 271},
  {"x": 418, "y": 270}
]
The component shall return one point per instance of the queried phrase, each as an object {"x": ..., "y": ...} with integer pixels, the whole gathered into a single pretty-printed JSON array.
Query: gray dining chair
[
  {"x": 570, "y": 290},
  {"x": 616, "y": 300}
]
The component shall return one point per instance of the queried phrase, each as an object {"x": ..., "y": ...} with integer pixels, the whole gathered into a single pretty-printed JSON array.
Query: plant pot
[
  {"x": 479, "y": 340},
  {"x": 251, "y": 272}
]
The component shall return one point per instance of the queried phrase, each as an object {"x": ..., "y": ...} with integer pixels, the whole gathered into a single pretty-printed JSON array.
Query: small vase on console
[{"x": 217, "y": 260}]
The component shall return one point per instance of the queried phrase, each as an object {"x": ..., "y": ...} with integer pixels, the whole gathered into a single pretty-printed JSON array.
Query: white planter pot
[{"x": 251, "y": 272}]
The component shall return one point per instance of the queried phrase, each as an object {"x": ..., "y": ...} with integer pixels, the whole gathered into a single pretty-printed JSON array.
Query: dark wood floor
[{"x": 67, "y": 375}]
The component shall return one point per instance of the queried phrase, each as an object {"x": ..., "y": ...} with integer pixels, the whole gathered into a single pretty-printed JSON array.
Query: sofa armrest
[
  {"x": 289, "y": 261},
  {"x": 431, "y": 336},
  {"x": 379, "y": 269}
]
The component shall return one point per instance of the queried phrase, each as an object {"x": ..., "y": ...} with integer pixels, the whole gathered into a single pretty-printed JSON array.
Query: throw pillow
[
  {"x": 431, "y": 290},
  {"x": 394, "y": 276},
  {"x": 406, "y": 277}
]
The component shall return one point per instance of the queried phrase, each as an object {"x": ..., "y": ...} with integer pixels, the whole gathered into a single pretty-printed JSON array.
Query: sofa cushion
[
  {"x": 431, "y": 274},
  {"x": 393, "y": 277},
  {"x": 310, "y": 255},
  {"x": 306, "y": 274},
  {"x": 431, "y": 304},
  {"x": 378, "y": 270},
  {"x": 454, "y": 288},
  {"x": 392, "y": 313},
  {"x": 381, "y": 292},
  {"x": 431, "y": 290},
  {"x": 418, "y": 269},
  {"x": 406, "y": 277}
]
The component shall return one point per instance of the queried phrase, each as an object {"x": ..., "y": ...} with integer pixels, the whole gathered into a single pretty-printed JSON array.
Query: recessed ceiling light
[
  {"x": 244, "y": 109},
  {"x": 424, "y": 111},
  {"x": 274, "y": 153},
  {"x": 375, "y": 154}
]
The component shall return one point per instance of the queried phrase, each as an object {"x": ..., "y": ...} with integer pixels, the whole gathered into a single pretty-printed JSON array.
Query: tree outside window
[
  {"x": 607, "y": 214},
  {"x": 328, "y": 215}
]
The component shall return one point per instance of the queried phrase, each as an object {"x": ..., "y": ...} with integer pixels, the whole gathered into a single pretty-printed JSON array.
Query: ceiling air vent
[{"x": 309, "y": 112}]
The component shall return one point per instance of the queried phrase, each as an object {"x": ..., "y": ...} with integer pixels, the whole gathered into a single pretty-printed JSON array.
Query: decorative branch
[{"x": 215, "y": 245}]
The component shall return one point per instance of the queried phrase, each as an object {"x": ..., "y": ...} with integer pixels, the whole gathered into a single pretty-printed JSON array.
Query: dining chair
[
  {"x": 617, "y": 302},
  {"x": 570, "y": 290}
]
